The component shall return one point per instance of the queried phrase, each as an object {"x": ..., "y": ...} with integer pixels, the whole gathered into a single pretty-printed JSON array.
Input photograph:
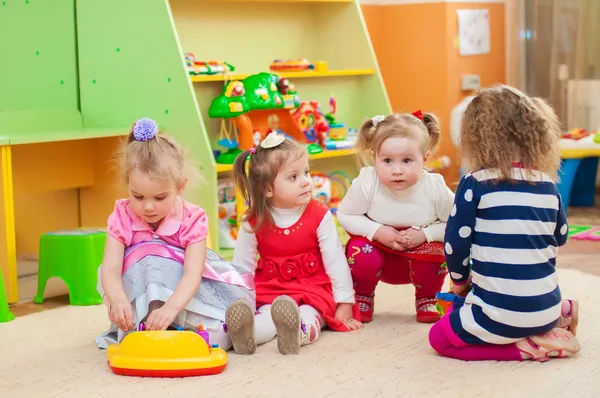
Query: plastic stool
[
  {"x": 5, "y": 314},
  {"x": 73, "y": 256}
]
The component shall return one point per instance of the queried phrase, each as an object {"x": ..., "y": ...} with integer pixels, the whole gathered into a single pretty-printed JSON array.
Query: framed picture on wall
[{"x": 473, "y": 32}]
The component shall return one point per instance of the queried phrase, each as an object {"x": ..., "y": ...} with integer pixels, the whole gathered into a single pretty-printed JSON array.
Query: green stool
[
  {"x": 5, "y": 314},
  {"x": 73, "y": 256}
]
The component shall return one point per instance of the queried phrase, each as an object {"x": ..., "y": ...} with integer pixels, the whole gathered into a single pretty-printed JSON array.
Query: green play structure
[
  {"x": 68, "y": 74},
  {"x": 83, "y": 71}
]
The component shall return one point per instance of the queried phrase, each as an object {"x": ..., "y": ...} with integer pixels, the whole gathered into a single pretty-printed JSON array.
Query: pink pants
[
  {"x": 443, "y": 339},
  {"x": 369, "y": 264}
]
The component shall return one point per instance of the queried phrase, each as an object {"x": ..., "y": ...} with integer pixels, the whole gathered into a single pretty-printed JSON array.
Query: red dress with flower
[{"x": 291, "y": 264}]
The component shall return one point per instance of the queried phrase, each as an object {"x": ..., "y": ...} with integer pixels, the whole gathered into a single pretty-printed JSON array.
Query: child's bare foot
[
  {"x": 286, "y": 317},
  {"x": 557, "y": 343},
  {"x": 239, "y": 319},
  {"x": 569, "y": 317}
]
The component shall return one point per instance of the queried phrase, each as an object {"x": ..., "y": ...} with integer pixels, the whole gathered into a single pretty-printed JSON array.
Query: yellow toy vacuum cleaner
[{"x": 166, "y": 353}]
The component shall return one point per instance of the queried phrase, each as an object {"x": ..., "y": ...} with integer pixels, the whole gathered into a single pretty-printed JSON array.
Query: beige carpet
[{"x": 52, "y": 354}]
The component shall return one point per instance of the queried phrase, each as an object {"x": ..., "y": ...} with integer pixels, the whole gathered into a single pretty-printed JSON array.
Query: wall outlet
[{"x": 469, "y": 82}]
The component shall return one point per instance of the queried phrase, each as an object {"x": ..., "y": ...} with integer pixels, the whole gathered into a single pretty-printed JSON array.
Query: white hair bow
[
  {"x": 377, "y": 119},
  {"x": 272, "y": 140}
]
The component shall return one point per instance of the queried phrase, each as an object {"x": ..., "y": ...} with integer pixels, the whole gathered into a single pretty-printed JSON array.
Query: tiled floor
[{"x": 580, "y": 255}]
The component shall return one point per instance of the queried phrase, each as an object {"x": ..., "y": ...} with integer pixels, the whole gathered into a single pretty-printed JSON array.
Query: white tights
[
  {"x": 220, "y": 337},
  {"x": 190, "y": 320},
  {"x": 310, "y": 319}
]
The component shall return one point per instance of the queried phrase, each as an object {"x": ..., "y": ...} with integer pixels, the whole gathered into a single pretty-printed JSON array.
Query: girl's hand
[
  {"x": 411, "y": 238},
  {"x": 389, "y": 237},
  {"x": 121, "y": 313},
  {"x": 161, "y": 318},
  {"x": 344, "y": 315}
]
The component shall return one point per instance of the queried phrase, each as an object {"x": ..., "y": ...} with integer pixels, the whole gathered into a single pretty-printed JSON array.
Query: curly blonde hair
[
  {"x": 371, "y": 136},
  {"x": 502, "y": 125}
]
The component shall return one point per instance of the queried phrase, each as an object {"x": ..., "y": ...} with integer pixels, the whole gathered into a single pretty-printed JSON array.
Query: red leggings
[{"x": 369, "y": 264}]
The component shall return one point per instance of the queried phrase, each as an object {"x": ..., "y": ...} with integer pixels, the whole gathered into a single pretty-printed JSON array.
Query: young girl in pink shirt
[{"x": 156, "y": 266}]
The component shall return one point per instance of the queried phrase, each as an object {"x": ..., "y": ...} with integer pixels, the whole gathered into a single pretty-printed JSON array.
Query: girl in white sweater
[{"x": 396, "y": 212}]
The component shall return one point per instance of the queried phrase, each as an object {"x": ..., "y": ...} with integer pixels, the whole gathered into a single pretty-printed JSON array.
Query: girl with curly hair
[{"x": 508, "y": 222}]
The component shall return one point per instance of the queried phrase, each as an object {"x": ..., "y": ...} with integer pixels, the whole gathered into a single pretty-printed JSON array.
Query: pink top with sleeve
[{"x": 184, "y": 225}]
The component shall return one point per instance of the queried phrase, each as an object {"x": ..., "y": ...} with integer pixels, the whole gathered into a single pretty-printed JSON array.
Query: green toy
[
  {"x": 73, "y": 256},
  {"x": 314, "y": 149},
  {"x": 261, "y": 91},
  {"x": 229, "y": 156},
  {"x": 5, "y": 314}
]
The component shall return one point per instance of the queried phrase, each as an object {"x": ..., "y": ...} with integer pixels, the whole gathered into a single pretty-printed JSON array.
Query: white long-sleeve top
[
  {"x": 369, "y": 204},
  {"x": 332, "y": 252}
]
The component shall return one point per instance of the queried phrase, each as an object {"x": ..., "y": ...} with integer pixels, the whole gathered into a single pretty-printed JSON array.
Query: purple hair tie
[{"x": 145, "y": 129}]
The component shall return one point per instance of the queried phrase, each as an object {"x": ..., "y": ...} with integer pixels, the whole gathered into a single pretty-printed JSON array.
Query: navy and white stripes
[{"x": 512, "y": 231}]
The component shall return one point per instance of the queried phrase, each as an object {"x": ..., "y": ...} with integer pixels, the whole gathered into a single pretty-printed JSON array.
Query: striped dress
[{"x": 512, "y": 231}]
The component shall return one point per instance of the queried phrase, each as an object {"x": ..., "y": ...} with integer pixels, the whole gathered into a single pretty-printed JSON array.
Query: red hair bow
[{"x": 418, "y": 114}]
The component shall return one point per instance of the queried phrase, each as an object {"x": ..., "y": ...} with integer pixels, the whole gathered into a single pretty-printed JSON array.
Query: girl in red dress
[
  {"x": 396, "y": 212},
  {"x": 302, "y": 279}
]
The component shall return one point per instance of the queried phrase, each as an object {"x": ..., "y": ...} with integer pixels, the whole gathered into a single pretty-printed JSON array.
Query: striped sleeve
[{"x": 459, "y": 230}]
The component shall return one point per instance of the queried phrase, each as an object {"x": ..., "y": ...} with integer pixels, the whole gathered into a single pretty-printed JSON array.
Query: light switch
[{"x": 469, "y": 82}]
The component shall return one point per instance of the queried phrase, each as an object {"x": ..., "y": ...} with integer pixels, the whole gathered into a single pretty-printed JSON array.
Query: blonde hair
[
  {"x": 502, "y": 125},
  {"x": 371, "y": 136},
  {"x": 160, "y": 156},
  {"x": 263, "y": 166}
]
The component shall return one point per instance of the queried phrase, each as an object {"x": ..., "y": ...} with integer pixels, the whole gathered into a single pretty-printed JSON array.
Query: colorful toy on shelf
[
  {"x": 576, "y": 134},
  {"x": 196, "y": 68},
  {"x": 228, "y": 231},
  {"x": 265, "y": 102},
  {"x": 439, "y": 163},
  {"x": 330, "y": 188},
  {"x": 337, "y": 131},
  {"x": 247, "y": 102},
  {"x": 313, "y": 149},
  {"x": 346, "y": 143},
  {"x": 166, "y": 353},
  {"x": 228, "y": 139},
  {"x": 322, "y": 187},
  {"x": 311, "y": 122},
  {"x": 299, "y": 65}
]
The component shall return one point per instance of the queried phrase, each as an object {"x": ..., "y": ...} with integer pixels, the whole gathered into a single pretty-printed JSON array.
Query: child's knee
[
  {"x": 437, "y": 338},
  {"x": 363, "y": 255}
]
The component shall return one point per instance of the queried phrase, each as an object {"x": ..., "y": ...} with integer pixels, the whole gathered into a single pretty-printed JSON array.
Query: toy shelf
[
  {"x": 281, "y": 1},
  {"x": 289, "y": 75},
  {"x": 107, "y": 63},
  {"x": 250, "y": 34},
  {"x": 223, "y": 168}
]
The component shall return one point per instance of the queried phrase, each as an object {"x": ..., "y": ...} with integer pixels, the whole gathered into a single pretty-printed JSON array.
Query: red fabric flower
[
  {"x": 270, "y": 268},
  {"x": 309, "y": 263},
  {"x": 289, "y": 270}
]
